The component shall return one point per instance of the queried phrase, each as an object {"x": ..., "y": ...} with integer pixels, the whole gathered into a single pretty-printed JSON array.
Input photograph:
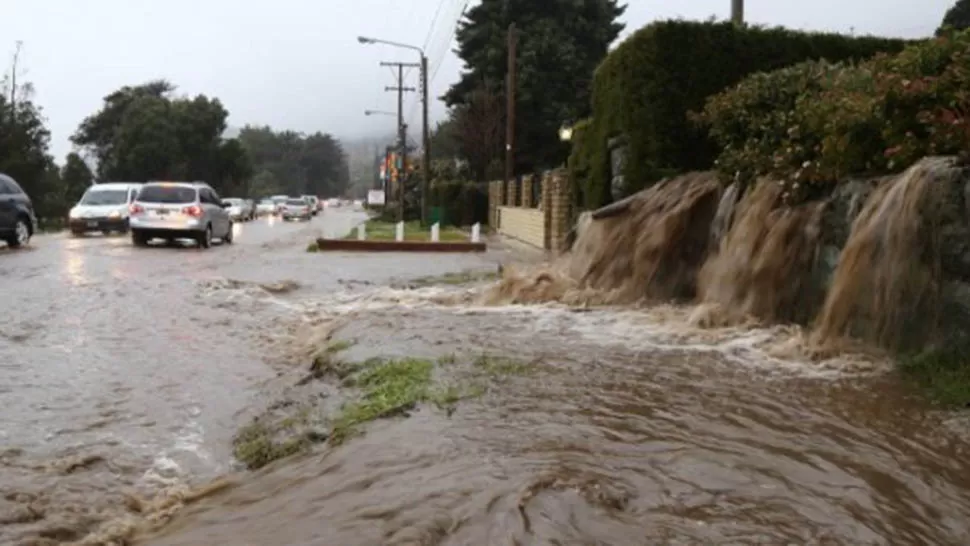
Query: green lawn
[{"x": 386, "y": 231}]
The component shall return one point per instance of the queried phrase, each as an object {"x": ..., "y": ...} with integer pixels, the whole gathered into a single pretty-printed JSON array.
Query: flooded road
[
  {"x": 632, "y": 430},
  {"x": 118, "y": 373},
  {"x": 125, "y": 369}
]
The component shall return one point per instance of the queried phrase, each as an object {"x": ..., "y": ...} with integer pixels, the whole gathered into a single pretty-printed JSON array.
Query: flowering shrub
[
  {"x": 815, "y": 123},
  {"x": 644, "y": 88}
]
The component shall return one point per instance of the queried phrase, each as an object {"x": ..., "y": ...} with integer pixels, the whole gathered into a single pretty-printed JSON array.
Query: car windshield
[
  {"x": 105, "y": 197},
  {"x": 167, "y": 194},
  {"x": 296, "y": 202}
]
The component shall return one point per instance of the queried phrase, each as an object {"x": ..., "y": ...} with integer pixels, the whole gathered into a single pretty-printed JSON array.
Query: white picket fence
[{"x": 476, "y": 235}]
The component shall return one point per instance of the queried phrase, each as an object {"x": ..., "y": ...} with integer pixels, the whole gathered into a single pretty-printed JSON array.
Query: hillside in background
[{"x": 363, "y": 157}]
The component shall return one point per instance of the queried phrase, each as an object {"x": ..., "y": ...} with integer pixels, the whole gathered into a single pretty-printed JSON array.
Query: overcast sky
[{"x": 296, "y": 64}]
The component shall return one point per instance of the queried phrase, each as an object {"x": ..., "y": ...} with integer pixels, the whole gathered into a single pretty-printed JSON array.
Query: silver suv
[{"x": 179, "y": 210}]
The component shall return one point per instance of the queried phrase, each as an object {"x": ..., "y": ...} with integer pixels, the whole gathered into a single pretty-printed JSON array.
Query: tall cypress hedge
[{"x": 646, "y": 87}]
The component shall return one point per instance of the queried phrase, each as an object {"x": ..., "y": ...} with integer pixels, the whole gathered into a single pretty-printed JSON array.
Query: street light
[
  {"x": 426, "y": 134},
  {"x": 566, "y": 133}
]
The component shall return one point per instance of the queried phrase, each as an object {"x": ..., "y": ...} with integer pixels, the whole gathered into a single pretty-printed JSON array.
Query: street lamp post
[{"x": 425, "y": 133}]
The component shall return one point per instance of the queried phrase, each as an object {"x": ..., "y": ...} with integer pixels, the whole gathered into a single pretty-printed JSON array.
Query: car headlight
[
  {"x": 115, "y": 214},
  {"x": 74, "y": 213}
]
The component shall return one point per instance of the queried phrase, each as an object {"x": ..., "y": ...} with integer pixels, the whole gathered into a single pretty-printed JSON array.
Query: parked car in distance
[
  {"x": 280, "y": 200},
  {"x": 266, "y": 207},
  {"x": 18, "y": 223},
  {"x": 296, "y": 208},
  {"x": 103, "y": 207},
  {"x": 179, "y": 210},
  {"x": 239, "y": 209},
  {"x": 314, "y": 203}
]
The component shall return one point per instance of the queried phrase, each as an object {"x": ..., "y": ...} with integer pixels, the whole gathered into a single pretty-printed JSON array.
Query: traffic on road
[{"x": 171, "y": 212}]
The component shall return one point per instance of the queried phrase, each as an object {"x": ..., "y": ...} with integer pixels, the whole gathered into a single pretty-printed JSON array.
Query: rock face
[
  {"x": 900, "y": 282},
  {"x": 886, "y": 261}
]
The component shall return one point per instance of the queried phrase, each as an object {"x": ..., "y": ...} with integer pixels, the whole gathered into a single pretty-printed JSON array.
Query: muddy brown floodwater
[
  {"x": 631, "y": 426},
  {"x": 122, "y": 377}
]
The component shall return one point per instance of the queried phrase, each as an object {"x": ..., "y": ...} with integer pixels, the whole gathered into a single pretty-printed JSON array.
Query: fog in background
[{"x": 296, "y": 64}]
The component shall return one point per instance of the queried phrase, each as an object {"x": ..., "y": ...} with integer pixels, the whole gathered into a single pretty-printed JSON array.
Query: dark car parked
[{"x": 17, "y": 220}]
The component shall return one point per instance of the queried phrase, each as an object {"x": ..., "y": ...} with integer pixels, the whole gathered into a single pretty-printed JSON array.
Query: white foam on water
[{"x": 770, "y": 351}]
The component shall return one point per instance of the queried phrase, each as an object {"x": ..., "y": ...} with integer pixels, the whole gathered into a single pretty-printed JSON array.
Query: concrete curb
[{"x": 352, "y": 245}]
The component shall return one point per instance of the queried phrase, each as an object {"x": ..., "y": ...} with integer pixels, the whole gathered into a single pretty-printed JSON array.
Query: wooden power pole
[
  {"x": 401, "y": 132},
  {"x": 737, "y": 12},
  {"x": 426, "y": 142},
  {"x": 510, "y": 87},
  {"x": 13, "y": 82}
]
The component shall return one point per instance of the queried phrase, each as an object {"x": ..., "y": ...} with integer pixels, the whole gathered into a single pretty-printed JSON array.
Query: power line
[
  {"x": 434, "y": 21},
  {"x": 443, "y": 51},
  {"x": 451, "y": 36}
]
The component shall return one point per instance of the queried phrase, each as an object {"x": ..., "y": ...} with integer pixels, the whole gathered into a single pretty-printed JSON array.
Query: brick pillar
[
  {"x": 526, "y": 189},
  {"x": 545, "y": 206},
  {"x": 510, "y": 193},
  {"x": 496, "y": 199},
  {"x": 560, "y": 200}
]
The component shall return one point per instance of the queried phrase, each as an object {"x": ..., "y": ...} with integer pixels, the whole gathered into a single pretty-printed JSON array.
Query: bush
[
  {"x": 581, "y": 165},
  {"x": 648, "y": 84},
  {"x": 813, "y": 124},
  {"x": 464, "y": 203}
]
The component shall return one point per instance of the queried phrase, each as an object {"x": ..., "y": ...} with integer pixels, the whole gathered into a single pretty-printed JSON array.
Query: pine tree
[
  {"x": 957, "y": 17},
  {"x": 560, "y": 44}
]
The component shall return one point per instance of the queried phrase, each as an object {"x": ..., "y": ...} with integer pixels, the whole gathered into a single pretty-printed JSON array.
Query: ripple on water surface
[{"x": 637, "y": 429}]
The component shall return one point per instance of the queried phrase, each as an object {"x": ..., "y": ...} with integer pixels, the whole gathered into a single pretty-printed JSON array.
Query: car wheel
[
  {"x": 228, "y": 238},
  {"x": 138, "y": 238},
  {"x": 21, "y": 234},
  {"x": 205, "y": 238}
]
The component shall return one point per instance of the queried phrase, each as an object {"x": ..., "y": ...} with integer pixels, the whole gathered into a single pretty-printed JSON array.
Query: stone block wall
[
  {"x": 545, "y": 224},
  {"x": 525, "y": 189},
  {"x": 512, "y": 193},
  {"x": 559, "y": 203},
  {"x": 524, "y": 224},
  {"x": 496, "y": 199}
]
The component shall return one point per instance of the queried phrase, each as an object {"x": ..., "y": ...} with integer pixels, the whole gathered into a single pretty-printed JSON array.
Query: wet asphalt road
[{"x": 118, "y": 353}]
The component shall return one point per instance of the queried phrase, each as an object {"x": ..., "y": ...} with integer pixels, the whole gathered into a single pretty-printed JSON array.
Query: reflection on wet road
[{"x": 112, "y": 361}]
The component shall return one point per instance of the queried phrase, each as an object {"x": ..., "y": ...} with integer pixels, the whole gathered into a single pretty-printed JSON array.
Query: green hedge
[
  {"x": 815, "y": 123},
  {"x": 464, "y": 203},
  {"x": 646, "y": 87}
]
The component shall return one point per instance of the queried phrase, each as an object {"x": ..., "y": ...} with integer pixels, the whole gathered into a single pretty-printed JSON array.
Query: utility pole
[
  {"x": 426, "y": 138},
  {"x": 401, "y": 130},
  {"x": 737, "y": 12},
  {"x": 510, "y": 87},
  {"x": 13, "y": 82}
]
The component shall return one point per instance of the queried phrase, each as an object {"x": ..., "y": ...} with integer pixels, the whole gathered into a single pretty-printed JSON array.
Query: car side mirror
[{"x": 225, "y": 204}]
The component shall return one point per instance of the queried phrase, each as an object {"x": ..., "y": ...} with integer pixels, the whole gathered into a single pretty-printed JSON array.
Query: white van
[{"x": 104, "y": 208}]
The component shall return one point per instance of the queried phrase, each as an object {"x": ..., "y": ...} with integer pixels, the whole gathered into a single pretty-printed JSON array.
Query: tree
[
  {"x": 75, "y": 178},
  {"x": 957, "y": 17},
  {"x": 480, "y": 131},
  {"x": 294, "y": 163},
  {"x": 24, "y": 145},
  {"x": 560, "y": 43},
  {"x": 445, "y": 143},
  {"x": 145, "y": 133}
]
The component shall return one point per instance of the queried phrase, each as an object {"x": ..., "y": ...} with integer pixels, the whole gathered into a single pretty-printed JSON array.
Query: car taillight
[
  {"x": 194, "y": 210},
  {"x": 136, "y": 209}
]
